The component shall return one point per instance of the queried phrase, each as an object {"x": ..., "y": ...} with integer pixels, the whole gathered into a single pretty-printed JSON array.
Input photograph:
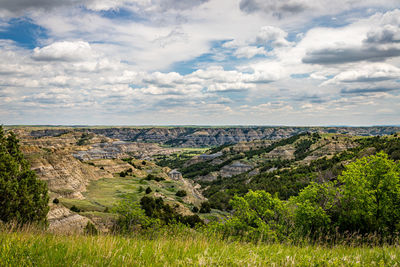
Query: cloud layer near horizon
[{"x": 296, "y": 62}]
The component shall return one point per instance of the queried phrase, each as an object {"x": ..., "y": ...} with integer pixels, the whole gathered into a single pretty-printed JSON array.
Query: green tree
[
  {"x": 23, "y": 197},
  {"x": 148, "y": 190},
  {"x": 257, "y": 215},
  {"x": 131, "y": 216},
  {"x": 205, "y": 207},
  {"x": 370, "y": 195},
  {"x": 90, "y": 229},
  {"x": 313, "y": 208},
  {"x": 181, "y": 193}
]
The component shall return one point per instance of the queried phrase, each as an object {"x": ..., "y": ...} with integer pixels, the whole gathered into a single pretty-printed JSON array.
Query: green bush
[
  {"x": 256, "y": 216},
  {"x": 131, "y": 217},
  {"x": 155, "y": 178},
  {"x": 90, "y": 229},
  {"x": 205, "y": 207},
  {"x": 148, "y": 190},
  {"x": 75, "y": 209},
  {"x": 314, "y": 208},
  {"x": 156, "y": 209},
  {"x": 181, "y": 193}
]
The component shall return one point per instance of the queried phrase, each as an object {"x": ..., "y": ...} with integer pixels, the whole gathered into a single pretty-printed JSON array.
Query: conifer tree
[{"x": 23, "y": 197}]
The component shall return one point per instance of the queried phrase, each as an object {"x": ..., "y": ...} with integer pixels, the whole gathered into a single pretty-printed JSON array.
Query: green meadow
[{"x": 178, "y": 248}]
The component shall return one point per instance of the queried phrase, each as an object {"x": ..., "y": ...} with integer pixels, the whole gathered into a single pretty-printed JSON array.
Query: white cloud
[
  {"x": 367, "y": 73},
  {"x": 134, "y": 69},
  {"x": 64, "y": 51},
  {"x": 366, "y": 40},
  {"x": 284, "y": 9},
  {"x": 249, "y": 51},
  {"x": 273, "y": 35}
]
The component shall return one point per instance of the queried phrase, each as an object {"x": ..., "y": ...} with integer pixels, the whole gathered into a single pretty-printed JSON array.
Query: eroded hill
[
  {"x": 210, "y": 136},
  {"x": 88, "y": 171},
  {"x": 88, "y": 174},
  {"x": 282, "y": 167}
]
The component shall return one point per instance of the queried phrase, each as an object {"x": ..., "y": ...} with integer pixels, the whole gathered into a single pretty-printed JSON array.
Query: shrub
[
  {"x": 156, "y": 209},
  {"x": 148, "y": 190},
  {"x": 256, "y": 216},
  {"x": 153, "y": 177},
  {"x": 75, "y": 209},
  {"x": 131, "y": 217},
  {"x": 90, "y": 229},
  {"x": 181, "y": 193},
  {"x": 56, "y": 201},
  {"x": 191, "y": 220},
  {"x": 122, "y": 174},
  {"x": 314, "y": 207},
  {"x": 205, "y": 207}
]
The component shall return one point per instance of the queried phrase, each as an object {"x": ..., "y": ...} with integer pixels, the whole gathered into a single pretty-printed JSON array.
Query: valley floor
[{"x": 27, "y": 248}]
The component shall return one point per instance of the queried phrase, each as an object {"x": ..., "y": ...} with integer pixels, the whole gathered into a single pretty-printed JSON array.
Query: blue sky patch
[
  {"x": 300, "y": 75},
  {"x": 24, "y": 32}
]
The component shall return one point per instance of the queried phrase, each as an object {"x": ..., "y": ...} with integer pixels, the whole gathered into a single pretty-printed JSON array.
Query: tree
[
  {"x": 370, "y": 195},
  {"x": 90, "y": 229},
  {"x": 181, "y": 193},
  {"x": 205, "y": 207},
  {"x": 258, "y": 207},
  {"x": 131, "y": 216},
  {"x": 148, "y": 190},
  {"x": 314, "y": 207},
  {"x": 23, "y": 197},
  {"x": 257, "y": 215}
]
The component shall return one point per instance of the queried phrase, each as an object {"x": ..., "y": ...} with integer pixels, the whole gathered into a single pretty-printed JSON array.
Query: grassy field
[
  {"x": 27, "y": 248},
  {"x": 107, "y": 192}
]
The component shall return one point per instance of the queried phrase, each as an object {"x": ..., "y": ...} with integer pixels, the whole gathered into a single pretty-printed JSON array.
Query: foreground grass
[{"x": 24, "y": 248}]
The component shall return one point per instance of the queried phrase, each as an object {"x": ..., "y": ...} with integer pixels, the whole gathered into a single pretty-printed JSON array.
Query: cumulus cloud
[
  {"x": 368, "y": 90},
  {"x": 159, "y": 57},
  {"x": 292, "y": 7},
  {"x": 343, "y": 54},
  {"x": 268, "y": 37},
  {"x": 249, "y": 51},
  {"x": 18, "y": 6},
  {"x": 273, "y": 6},
  {"x": 369, "y": 43},
  {"x": 201, "y": 82},
  {"x": 367, "y": 74},
  {"x": 64, "y": 51},
  {"x": 23, "y": 5},
  {"x": 272, "y": 35},
  {"x": 386, "y": 34}
]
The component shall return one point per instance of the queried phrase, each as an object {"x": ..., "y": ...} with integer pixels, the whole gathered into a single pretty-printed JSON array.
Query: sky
[{"x": 200, "y": 62}]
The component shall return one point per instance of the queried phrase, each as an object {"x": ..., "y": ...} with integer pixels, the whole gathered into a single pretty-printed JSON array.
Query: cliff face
[{"x": 205, "y": 137}]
